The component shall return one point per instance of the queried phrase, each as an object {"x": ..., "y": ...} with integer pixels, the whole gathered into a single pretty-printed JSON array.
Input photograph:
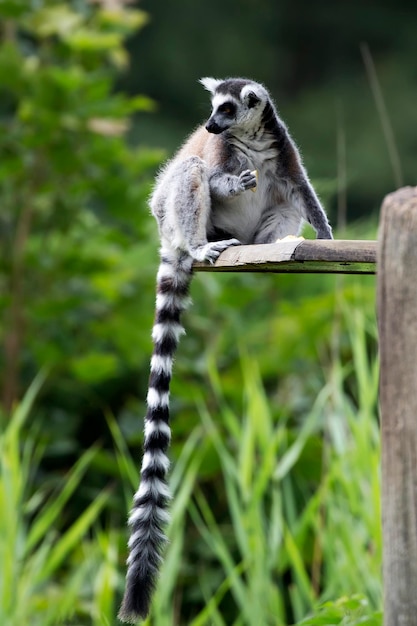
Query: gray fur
[{"x": 203, "y": 204}]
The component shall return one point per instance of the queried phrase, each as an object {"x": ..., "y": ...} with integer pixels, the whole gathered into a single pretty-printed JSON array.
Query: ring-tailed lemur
[{"x": 202, "y": 206}]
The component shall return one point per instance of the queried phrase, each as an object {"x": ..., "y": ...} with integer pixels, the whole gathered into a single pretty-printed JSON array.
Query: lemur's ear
[
  {"x": 210, "y": 84},
  {"x": 251, "y": 99},
  {"x": 252, "y": 94}
]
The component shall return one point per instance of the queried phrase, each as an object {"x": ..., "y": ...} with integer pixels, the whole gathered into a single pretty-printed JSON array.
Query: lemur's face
[{"x": 237, "y": 105}]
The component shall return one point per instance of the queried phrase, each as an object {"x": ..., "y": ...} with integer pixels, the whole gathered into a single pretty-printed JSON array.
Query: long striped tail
[{"x": 149, "y": 514}]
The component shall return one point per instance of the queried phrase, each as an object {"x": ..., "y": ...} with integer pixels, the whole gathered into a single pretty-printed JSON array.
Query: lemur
[{"x": 203, "y": 203}]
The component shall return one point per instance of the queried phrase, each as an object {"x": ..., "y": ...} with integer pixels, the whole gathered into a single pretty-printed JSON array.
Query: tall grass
[
  {"x": 49, "y": 574},
  {"x": 275, "y": 518},
  {"x": 287, "y": 541}
]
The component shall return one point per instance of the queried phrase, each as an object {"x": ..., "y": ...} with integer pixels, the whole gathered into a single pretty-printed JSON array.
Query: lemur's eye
[{"x": 228, "y": 108}]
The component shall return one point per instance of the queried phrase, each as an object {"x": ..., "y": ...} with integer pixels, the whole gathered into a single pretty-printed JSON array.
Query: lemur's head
[{"x": 238, "y": 104}]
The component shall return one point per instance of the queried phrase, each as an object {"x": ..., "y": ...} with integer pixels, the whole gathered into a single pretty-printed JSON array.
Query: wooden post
[{"x": 397, "y": 319}]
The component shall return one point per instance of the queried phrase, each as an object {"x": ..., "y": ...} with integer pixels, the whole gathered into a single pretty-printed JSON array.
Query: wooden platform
[{"x": 298, "y": 256}]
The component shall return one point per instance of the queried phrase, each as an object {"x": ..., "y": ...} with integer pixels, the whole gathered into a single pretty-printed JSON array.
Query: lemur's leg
[
  {"x": 192, "y": 205},
  {"x": 278, "y": 222},
  {"x": 286, "y": 218}
]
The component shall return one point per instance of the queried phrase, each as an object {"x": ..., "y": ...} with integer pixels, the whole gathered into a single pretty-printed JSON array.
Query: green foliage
[
  {"x": 281, "y": 515},
  {"x": 295, "y": 517},
  {"x": 274, "y": 514},
  {"x": 48, "y": 564},
  {"x": 73, "y": 193},
  {"x": 353, "y": 611},
  {"x": 276, "y": 508}
]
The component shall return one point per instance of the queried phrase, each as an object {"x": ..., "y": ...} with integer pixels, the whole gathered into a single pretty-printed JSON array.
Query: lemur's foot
[{"x": 211, "y": 251}]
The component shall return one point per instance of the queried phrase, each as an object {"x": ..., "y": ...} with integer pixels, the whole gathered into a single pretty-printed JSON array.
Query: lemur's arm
[
  {"x": 304, "y": 194},
  {"x": 224, "y": 185},
  {"x": 314, "y": 212}
]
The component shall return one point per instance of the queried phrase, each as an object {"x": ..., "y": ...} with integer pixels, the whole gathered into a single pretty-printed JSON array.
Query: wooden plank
[
  {"x": 298, "y": 256},
  {"x": 397, "y": 306}
]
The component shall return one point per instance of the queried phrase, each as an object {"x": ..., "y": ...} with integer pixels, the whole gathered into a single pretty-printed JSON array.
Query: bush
[{"x": 73, "y": 233}]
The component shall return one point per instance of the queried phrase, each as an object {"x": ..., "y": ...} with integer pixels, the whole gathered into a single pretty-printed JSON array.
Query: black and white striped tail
[{"x": 149, "y": 513}]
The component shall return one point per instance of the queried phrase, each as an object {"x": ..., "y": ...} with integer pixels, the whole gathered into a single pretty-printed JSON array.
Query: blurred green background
[
  {"x": 275, "y": 518},
  {"x": 311, "y": 57}
]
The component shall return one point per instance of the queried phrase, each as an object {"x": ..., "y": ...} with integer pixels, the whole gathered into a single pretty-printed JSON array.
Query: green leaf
[
  {"x": 13, "y": 8},
  {"x": 69, "y": 540},
  {"x": 51, "y": 510},
  {"x": 127, "y": 19},
  {"x": 95, "y": 366},
  {"x": 89, "y": 40},
  {"x": 58, "y": 20},
  {"x": 23, "y": 409},
  {"x": 141, "y": 103}
]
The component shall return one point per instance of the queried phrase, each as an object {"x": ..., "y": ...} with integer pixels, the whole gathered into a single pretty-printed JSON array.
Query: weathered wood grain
[
  {"x": 397, "y": 320},
  {"x": 298, "y": 256}
]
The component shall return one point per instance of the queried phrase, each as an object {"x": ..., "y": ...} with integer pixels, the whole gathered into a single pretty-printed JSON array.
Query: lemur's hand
[{"x": 248, "y": 180}]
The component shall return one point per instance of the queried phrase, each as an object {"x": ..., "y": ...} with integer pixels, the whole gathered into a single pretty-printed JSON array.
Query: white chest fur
[{"x": 241, "y": 215}]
